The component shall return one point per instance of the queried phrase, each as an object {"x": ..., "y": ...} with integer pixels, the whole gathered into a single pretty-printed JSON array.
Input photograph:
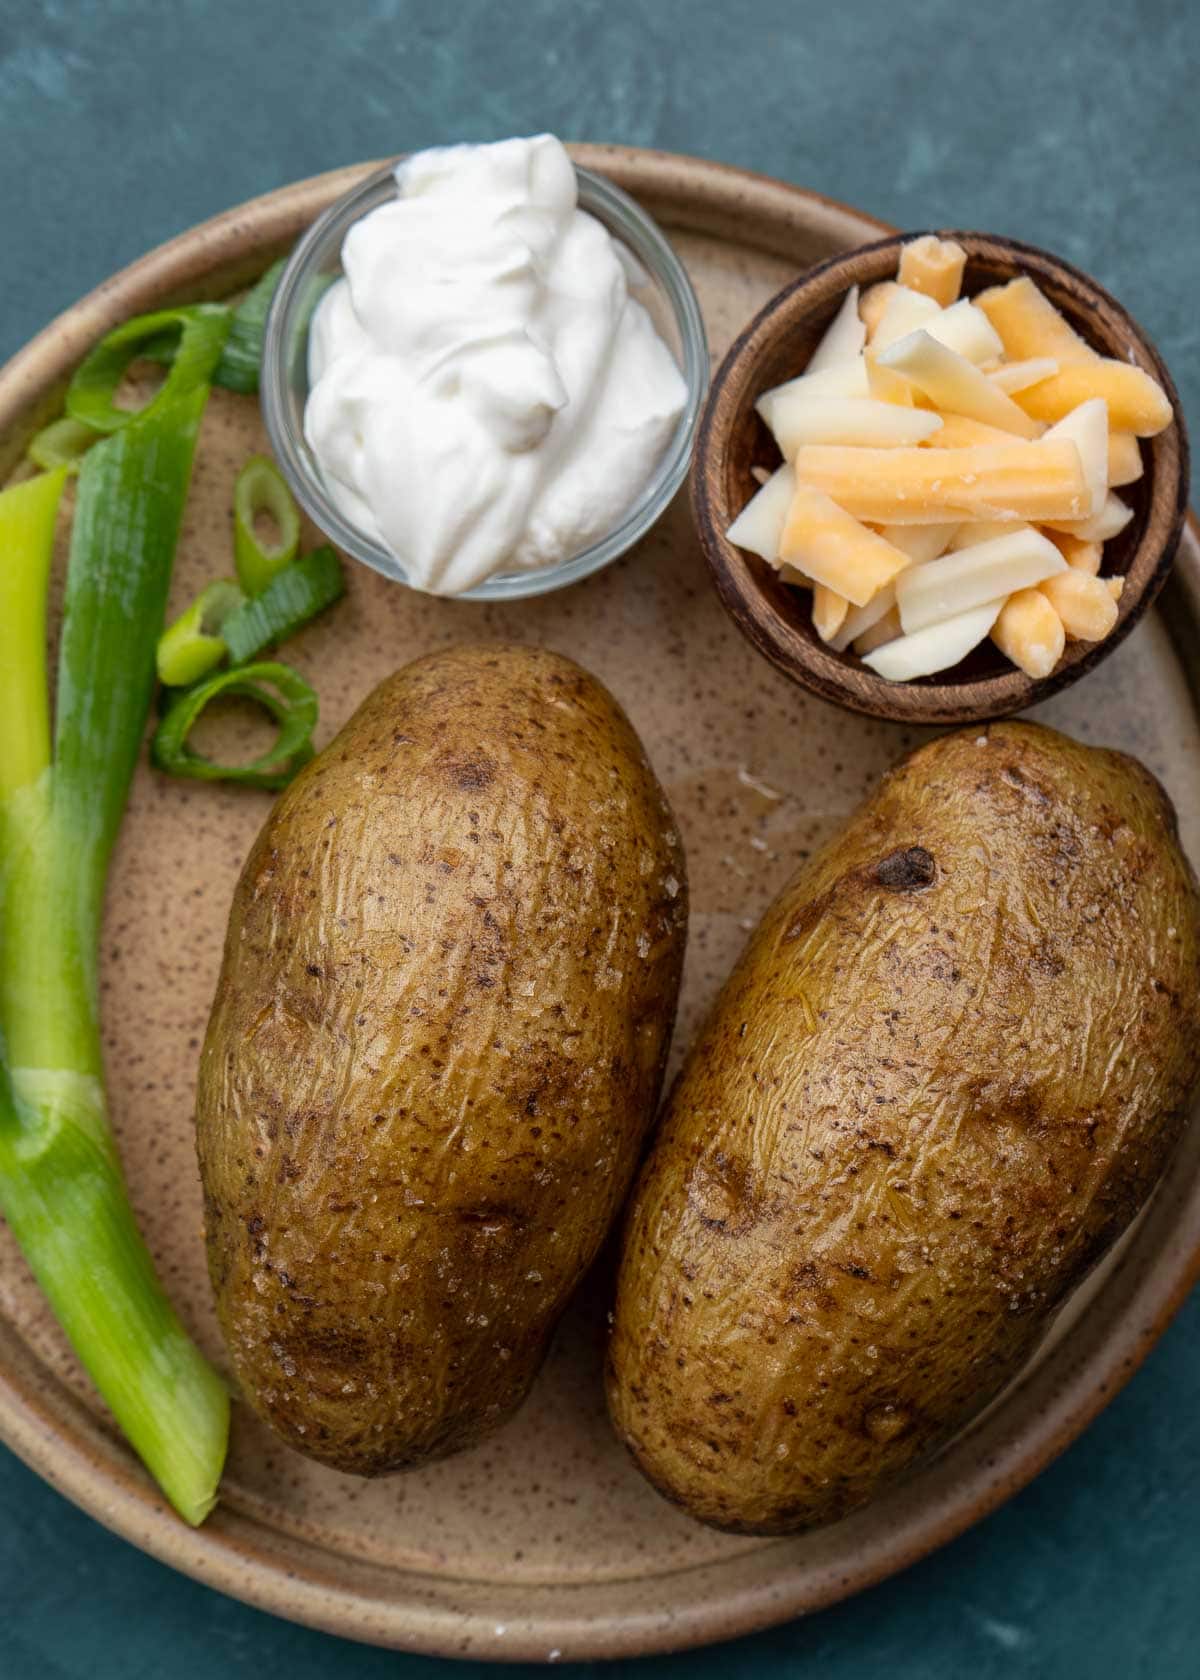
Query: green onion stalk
[
  {"x": 237, "y": 369},
  {"x": 61, "y": 802},
  {"x": 63, "y": 443},
  {"x": 157, "y": 338}
]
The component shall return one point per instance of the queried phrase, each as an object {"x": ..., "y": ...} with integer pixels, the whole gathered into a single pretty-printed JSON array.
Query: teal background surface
[{"x": 1076, "y": 127}]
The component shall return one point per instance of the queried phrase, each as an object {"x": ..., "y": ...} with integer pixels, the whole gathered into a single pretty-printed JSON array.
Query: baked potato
[
  {"x": 437, "y": 1042},
  {"x": 944, "y": 1076}
]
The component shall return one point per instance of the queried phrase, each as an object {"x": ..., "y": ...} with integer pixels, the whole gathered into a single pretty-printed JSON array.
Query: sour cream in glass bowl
[{"x": 483, "y": 371}]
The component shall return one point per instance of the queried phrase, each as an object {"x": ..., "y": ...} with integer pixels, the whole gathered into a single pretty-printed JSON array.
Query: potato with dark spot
[
  {"x": 438, "y": 1040},
  {"x": 944, "y": 1076}
]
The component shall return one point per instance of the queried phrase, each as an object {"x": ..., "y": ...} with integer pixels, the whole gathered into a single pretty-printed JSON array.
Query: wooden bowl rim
[{"x": 854, "y": 686}]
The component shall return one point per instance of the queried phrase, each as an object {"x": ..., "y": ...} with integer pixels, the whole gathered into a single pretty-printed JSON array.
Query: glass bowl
[{"x": 665, "y": 291}]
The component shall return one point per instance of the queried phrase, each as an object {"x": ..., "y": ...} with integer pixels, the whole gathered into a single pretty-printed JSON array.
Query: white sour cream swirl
[{"x": 486, "y": 396}]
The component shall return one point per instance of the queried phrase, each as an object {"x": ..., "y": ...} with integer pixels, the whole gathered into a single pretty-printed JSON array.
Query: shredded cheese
[
  {"x": 949, "y": 473},
  {"x": 826, "y": 543},
  {"x": 933, "y": 266},
  {"x": 1036, "y": 482},
  {"x": 1136, "y": 403},
  {"x": 1029, "y": 325},
  {"x": 952, "y": 382}
]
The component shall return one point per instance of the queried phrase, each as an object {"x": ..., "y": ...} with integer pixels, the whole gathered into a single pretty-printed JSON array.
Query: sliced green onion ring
[
  {"x": 162, "y": 348},
  {"x": 63, "y": 443},
  {"x": 260, "y": 488},
  {"x": 201, "y": 328},
  {"x": 292, "y": 705},
  {"x": 293, "y": 597},
  {"x": 193, "y": 645},
  {"x": 238, "y": 368}
]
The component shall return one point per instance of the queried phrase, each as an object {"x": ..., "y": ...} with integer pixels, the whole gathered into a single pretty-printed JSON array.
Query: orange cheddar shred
[{"x": 1017, "y": 480}]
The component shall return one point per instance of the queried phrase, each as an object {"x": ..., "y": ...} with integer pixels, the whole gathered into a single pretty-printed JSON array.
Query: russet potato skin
[
  {"x": 945, "y": 1074},
  {"x": 438, "y": 1039}
]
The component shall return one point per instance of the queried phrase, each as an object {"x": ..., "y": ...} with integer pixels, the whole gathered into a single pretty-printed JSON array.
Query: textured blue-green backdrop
[{"x": 122, "y": 123}]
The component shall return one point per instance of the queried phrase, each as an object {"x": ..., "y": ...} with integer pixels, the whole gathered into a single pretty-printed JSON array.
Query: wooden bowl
[{"x": 733, "y": 439}]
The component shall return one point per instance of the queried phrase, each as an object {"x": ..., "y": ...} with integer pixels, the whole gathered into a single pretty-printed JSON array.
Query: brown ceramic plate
[{"x": 544, "y": 1542}]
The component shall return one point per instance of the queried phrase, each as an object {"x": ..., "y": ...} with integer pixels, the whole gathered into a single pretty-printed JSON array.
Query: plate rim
[{"x": 72, "y": 1449}]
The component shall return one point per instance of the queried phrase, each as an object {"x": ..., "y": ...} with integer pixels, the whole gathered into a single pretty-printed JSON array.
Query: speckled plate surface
[{"x": 544, "y": 1543}]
